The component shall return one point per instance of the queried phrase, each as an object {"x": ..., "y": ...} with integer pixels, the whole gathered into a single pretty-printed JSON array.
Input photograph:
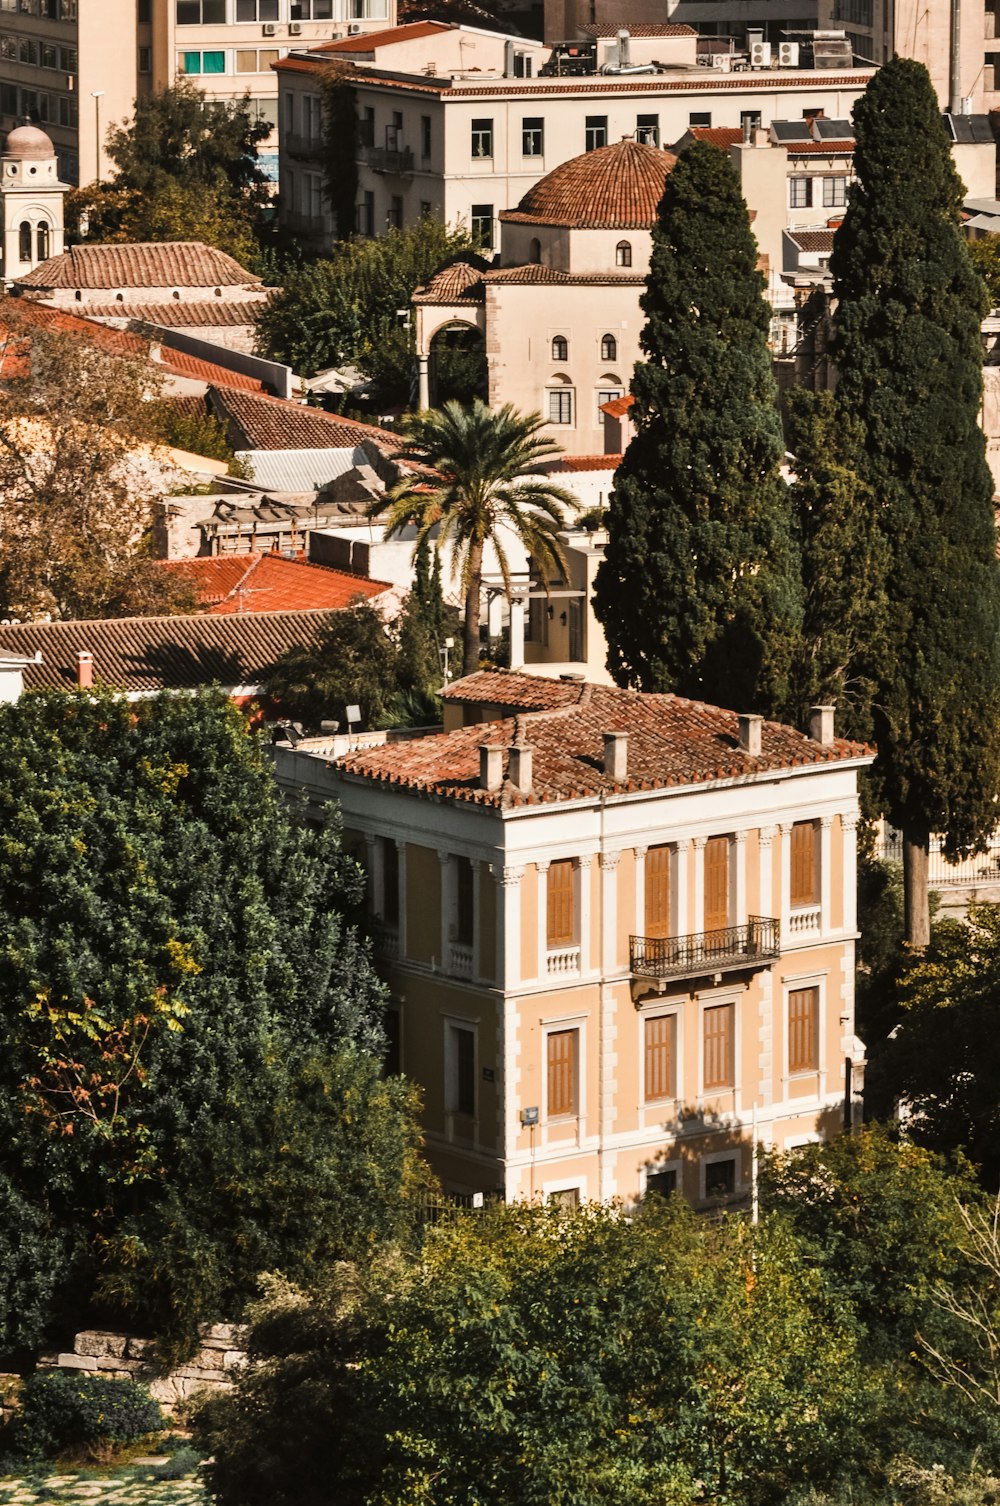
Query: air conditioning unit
[
  {"x": 295, "y": 28},
  {"x": 723, "y": 61},
  {"x": 269, "y": 29},
  {"x": 354, "y": 29},
  {"x": 788, "y": 55},
  {"x": 760, "y": 55}
]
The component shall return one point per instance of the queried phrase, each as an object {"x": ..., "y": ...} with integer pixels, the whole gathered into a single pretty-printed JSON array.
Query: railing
[
  {"x": 565, "y": 960},
  {"x": 306, "y": 148},
  {"x": 388, "y": 942},
  {"x": 396, "y": 162},
  {"x": 804, "y": 922},
  {"x": 752, "y": 945},
  {"x": 460, "y": 960},
  {"x": 982, "y": 868}
]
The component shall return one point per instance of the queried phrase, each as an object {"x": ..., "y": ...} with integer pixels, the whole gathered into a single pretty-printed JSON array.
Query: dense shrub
[{"x": 65, "y": 1412}]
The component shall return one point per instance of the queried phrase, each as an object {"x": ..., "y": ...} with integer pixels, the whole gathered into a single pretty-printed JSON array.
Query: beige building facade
[
  {"x": 618, "y": 932},
  {"x": 75, "y": 67}
]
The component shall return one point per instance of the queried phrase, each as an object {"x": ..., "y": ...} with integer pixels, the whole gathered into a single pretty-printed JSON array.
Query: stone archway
[{"x": 457, "y": 367}]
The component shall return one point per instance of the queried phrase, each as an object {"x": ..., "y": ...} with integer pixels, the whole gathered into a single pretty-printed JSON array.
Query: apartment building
[
  {"x": 618, "y": 930},
  {"x": 463, "y": 146},
  {"x": 75, "y": 67}
]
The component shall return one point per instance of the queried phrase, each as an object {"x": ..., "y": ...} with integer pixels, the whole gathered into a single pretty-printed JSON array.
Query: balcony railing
[
  {"x": 752, "y": 945},
  {"x": 306, "y": 148},
  {"x": 394, "y": 162}
]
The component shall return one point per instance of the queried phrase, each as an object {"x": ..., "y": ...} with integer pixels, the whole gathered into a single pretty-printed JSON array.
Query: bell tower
[{"x": 32, "y": 199}]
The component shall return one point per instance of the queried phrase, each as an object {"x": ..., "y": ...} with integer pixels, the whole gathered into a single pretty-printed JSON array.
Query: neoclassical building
[{"x": 32, "y": 197}]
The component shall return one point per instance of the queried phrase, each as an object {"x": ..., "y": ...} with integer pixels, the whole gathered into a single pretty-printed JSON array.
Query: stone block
[
  {"x": 198, "y": 1373},
  {"x": 234, "y": 1358},
  {"x": 118, "y": 1366},
  {"x": 76, "y": 1362},
  {"x": 47, "y": 1361},
  {"x": 93, "y": 1342},
  {"x": 138, "y": 1349},
  {"x": 219, "y": 1336}
]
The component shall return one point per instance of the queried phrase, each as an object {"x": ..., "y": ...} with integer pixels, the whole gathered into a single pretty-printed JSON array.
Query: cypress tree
[
  {"x": 908, "y": 350},
  {"x": 699, "y": 590}
]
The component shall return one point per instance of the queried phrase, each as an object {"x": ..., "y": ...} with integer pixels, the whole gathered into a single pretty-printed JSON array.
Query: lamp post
[{"x": 97, "y": 95}]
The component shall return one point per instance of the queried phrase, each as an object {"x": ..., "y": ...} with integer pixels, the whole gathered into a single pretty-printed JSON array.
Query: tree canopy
[
  {"x": 699, "y": 590},
  {"x": 908, "y": 351},
  {"x": 190, "y": 1085}
]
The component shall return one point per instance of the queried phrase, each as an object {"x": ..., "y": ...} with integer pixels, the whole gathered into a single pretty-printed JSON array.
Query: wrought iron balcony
[
  {"x": 661, "y": 957},
  {"x": 306, "y": 148},
  {"x": 394, "y": 162}
]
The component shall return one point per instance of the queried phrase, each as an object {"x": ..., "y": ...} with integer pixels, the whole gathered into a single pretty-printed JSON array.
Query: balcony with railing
[
  {"x": 305, "y": 148},
  {"x": 753, "y": 945},
  {"x": 393, "y": 162}
]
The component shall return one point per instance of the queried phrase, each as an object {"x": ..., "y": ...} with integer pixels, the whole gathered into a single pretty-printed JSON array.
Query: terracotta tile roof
[
  {"x": 512, "y": 692},
  {"x": 257, "y": 583},
  {"x": 532, "y": 272},
  {"x": 672, "y": 742},
  {"x": 274, "y": 423},
  {"x": 720, "y": 136},
  {"x": 812, "y": 240},
  {"x": 656, "y": 29},
  {"x": 155, "y": 653},
  {"x": 822, "y": 148},
  {"x": 206, "y": 313},
  {"x": 181, "y": 364},
  {"x": 393, "y": 34},
  {"x": 616, "y": 187},
  {"x": 462, "y": 282},
  {"x": 618, "y": 406},
  {"x": 584, "y": 463},
  {"x": 156, "y": 264}
]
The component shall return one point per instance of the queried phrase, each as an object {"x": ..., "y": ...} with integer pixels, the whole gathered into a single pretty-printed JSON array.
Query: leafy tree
[
  {"x": 985, "y": 254},
  {"x": 699, "y": 591},
  {"x": 343, "y": 308},
  {"x": 909, "y": 353},
  {"x": 172, "y": 211},
  {"x": 844, "y": 610},
  {"x": 424, "y": 625},
  {"x": 76, "y": 514},
  {"x": 355, "y": 663},
  {"x": 488, "y": 462},
  {"x": 198, "y": 433},
  {"x": 190, "y": 1090}
]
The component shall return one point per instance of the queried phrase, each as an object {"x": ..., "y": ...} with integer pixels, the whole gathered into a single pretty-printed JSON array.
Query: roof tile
[
  {"x": 275, "y": 423},
  {"x": 154, "y": 264},
  {"x": 228, "y": 583}
]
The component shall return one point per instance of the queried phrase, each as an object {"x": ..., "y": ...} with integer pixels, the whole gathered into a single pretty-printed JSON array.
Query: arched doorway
[{"x": 458, "y": 364}]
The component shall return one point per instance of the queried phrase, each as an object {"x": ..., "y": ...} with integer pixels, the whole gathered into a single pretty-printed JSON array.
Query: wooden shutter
[
  {"x": 803, "y": 1030},
  {"x": 561, "y": 906},
  {"x": 803, "y": 874},
  {"x": 718, "y": 1046},
  {"x": 657, "y": 922},
  {"x": 562, "y": 1051},
  {"x": 716, "y": 883},
  {"x": 464, "y": 902},
  {"x": 661, "y": 1037}
]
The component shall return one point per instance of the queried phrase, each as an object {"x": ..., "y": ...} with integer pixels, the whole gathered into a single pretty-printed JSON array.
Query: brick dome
[
  {"x": 29, "y": 142},
  {"x": 612, "y": 188}
]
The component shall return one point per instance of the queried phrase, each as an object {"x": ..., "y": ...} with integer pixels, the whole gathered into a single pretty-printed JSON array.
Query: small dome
[
  {"x": 29, "y": 142},
  {"x": 612, "y": 188}
]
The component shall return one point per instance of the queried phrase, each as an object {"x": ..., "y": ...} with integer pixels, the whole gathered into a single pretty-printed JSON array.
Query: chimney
[
  {"x": 750, "y": 726},
  {"x": 616, "y": 756},
  {"x": 821, "y": 724},
  {"x": 624, "y": 49},
  {"x": 748, "y": 132},
  {"x": 508, "y": 60},
  {"x": 520, "y": 767},
  {"x": 84, "y": 669},
  {"x": 490, "y": 767}
]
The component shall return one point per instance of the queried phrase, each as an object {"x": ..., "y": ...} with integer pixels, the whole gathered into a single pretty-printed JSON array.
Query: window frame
[
  {"x": 481, "y": 139},
  {"x": 803, "y": 1065},
  {"x": 800, "y": 192},
  {"x": 803, "y": 858},
  {"x": 562, "y": 405},
  {"x": 532, "y": 136},
  {"x": 718, "y": 1085},
  {"x": 559, "y": 350},
  {"x": 623, "y": 254},
  {"x": 569, "y": 1108},
  {"x": 569, "y": 902},
  {"x": 609, "y": 347},
  {"x": 656, "y": 1018},
  {"x": 461, "y": 1096},
  {"x": 595, "y": 132}
]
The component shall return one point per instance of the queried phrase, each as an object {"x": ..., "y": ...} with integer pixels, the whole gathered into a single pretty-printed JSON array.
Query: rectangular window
[
  {"x": 561, "y": 405},
  {"x": 201, "y": 12},
  {"x": 718, "y": 1047},
  {"x": 425, "y": 136},
  {"x": 803, "y": 1030},
  {"x": 311, "y": 10},
  {"x": 660, "y": 1057},
  {"x": 800, "y": 193},
  {"x": 606, "y": 395},
  {"x": 562, "y": 1048},
  {"x": 256, "y": 10},
  {"x": 595, "y": 132},
  {"x": 394, "y": 133},
  {"x": 565, "y": 1197},
  {"x": 700, "y": 118},
  {"x": 716, "y": 883},
  {"x": 647, "y": 129},
  {"x": 366, "y": 213},
  {"x": 662, "y": 1183},
  {"x": 50, "y": 55},
  {"x": 366, "y": 126},
  {"x": 390, "y": 882},
  {"x": 657, "y": 922},
  {"x": 482, "y": 225},
  {"x": 201, "y": 62},
  {"x": 560, "y": 912},
  {"x": 482, "y": 138},
  {"x": 462, "y": 1071},
  {"x": 464, "y": 902},
  {"x": 532, "y": 136},
  {"x": 145, "y": 60},
  {"x": 834, "y": 193},
  {"x": 394, "y": 217},
  {"x": 804, "y": 887},
  {"x": 720, "y": 1178}
]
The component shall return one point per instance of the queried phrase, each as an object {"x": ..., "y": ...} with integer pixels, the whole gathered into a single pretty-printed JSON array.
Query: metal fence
[{"x": 983, "y": 868}]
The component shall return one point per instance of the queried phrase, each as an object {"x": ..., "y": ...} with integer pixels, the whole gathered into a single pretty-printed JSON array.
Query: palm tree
[{"x": 477, "y": 456}]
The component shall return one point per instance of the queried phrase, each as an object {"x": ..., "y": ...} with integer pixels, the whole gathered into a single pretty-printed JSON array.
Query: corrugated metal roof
[{"x": 300, "y": 470}]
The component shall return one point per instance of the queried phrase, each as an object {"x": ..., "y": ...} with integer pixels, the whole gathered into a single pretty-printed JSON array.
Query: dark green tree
[
  {"x": 354, "y": 663},
  {"x": 699, "y": 591},
  {"x": 178, "y": 135},
  {"x": 423, "y": 626},
  {"x": 909, "y": 352},
  {"x": 190, "y": 1025}
]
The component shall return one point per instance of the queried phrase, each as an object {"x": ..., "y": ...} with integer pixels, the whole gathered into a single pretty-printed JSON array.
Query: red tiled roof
[
  {"x": 616, "y": 187},
  {"x": 205, "y": 313},
  {"x": 720, "y": 136},
  {"x": 585, "y": 462},
  {"x": 812, "y": 240},
  {"x": 274, "y": 423},
  {"x": 822, "y": 148},
  {"x": 392, "y": 34},
  {"x": 672, "y": 742},
  {"x": 154, "y": 264},
  {"x": 656, "y": 29},
  {"x": 454, "y": 289},
  {"x": 617, "y": 407},
  {"x": 181, "y": 364},
  {"x": 270, "y": 583}
]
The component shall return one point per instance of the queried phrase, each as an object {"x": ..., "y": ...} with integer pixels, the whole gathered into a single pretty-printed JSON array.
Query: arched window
[
  {"x": 623, "y": 254},
  {"x": 609, "y": 348},
  {"x": 560, "y": 348},
  {"x": 535, "y": 251},
  {"x": 42, "y": 242},
  {"x": 24, "y": 241}
]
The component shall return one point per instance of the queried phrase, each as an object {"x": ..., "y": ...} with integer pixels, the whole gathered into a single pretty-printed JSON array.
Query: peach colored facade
[{"x": 554, "y": 1066}]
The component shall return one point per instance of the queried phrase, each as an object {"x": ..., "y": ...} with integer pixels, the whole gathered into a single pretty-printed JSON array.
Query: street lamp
[{"x": 97, "y": 95}]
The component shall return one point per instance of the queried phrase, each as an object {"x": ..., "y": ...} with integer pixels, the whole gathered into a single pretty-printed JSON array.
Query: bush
[{"x": 64, "y": 1412}]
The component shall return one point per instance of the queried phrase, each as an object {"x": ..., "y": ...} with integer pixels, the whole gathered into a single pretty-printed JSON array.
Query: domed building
[
  {"x": 32, "y": 198},
  {"x": 559, "y": 317}
]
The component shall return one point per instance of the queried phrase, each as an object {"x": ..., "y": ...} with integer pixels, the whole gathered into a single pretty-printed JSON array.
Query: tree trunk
[
  {"x": 473, "y": 602},
  {"x": 916, "y": 906}
]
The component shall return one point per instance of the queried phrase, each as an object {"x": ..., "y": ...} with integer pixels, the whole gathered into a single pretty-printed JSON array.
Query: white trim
[
  {"x": 566, "y": 1184},
  {"x": 645, "y": 1172},
  {"x": 451, "y": 1024},
  {"x": 555, "y": 1026},
  {"x": 712, "y": 1158},
  {"x": 716, "y": 999},
  {"x": 792, "y": 984},
  {"x": 660, "y": 1107}
]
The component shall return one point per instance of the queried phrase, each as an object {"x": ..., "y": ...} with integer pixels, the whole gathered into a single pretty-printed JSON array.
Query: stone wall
[{"x": 120, "y": 1356}]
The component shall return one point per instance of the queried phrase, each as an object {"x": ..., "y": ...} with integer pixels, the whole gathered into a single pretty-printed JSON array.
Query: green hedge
[{"x": 67, "y": 1412}]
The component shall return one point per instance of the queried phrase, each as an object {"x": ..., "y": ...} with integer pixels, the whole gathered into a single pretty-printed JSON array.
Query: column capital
[
  {"x": 766, "y": 835},
  {"x": 585, "y": 859},
  {"x": 850, "y": 821},
  {"x": 699, "y": 843},
  {"x": 443, "y": 856},
  {"x": 609, "y": 860},
  {"x": 400, "y": 844},
  {"x": 510, "y": 877},
  {"x": 640, "y": 852},
  {"x": 543, "y": 865},
  {"x": 826, "y": 822},
  {"x": 739, "y": 837}
]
